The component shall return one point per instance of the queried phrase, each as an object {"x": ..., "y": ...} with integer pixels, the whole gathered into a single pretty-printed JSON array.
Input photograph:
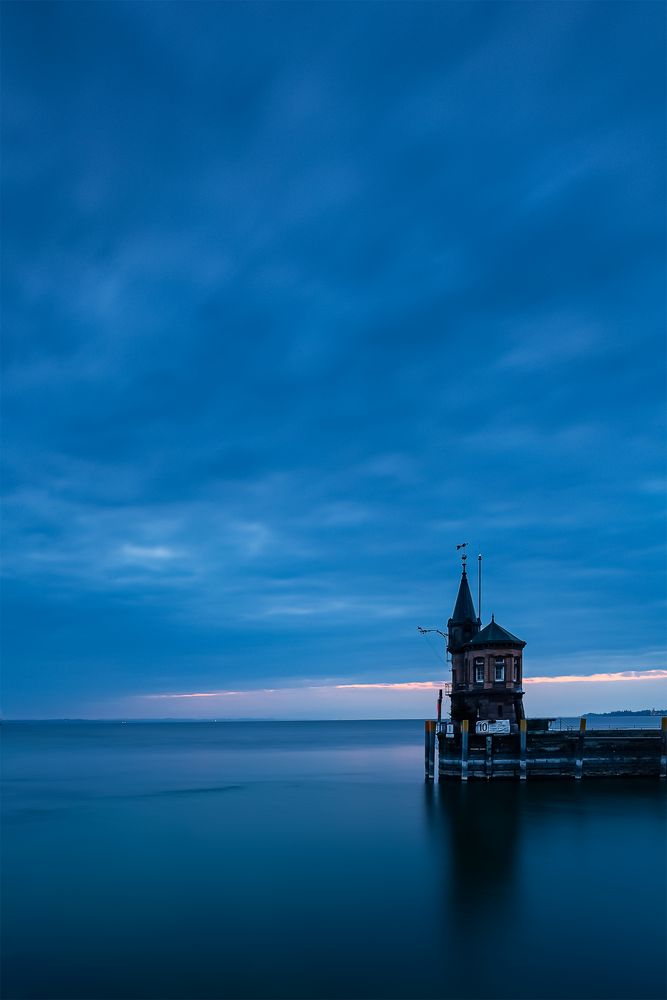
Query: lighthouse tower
[{"x": 487, "y": 664}]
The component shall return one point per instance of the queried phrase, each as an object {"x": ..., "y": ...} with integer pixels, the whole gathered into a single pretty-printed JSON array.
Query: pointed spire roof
[
  {"x": 494, "y": 634},
  {"x": 464, "y": 609}
]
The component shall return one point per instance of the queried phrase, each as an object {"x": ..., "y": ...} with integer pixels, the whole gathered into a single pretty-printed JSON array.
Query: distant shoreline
[{"x": 626, "y": 711}]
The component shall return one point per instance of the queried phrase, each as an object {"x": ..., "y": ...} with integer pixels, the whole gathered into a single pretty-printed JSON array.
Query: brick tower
[{"x": 487, "y": 664}]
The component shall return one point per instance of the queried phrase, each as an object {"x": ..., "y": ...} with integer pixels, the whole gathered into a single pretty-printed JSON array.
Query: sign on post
[{"x": 502, "y": 726}]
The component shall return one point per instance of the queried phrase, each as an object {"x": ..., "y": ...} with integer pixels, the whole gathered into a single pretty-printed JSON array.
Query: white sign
[
  {"x": 487, "y": 728},
  {"x": 449, "y": 732}
]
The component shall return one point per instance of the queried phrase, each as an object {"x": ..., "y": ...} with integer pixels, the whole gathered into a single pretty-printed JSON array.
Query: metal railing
[{"x": 568, "y": 724}]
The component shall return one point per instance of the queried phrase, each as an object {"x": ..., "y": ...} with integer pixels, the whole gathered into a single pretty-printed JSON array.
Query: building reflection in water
[
  {"x": 477, "y": 829},
  {"x": 476, "y": 833},
  {"x": 524, "y": 874}
]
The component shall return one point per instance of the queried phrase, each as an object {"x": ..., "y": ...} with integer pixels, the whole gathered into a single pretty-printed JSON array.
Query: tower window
[
  {"x": 500, "y": 668},
  {"x": 479, "y": 670},
  {"x": 517, "y": 667}
]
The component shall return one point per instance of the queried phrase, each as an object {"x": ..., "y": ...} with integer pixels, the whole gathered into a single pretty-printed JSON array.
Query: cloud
[
  {"x": 561, "y": 340},
  {"x": 283, "y": 325},
  {"x": 402, "y": 687},
  {"x": 399, "y": 686},
  {"x": 210, "y": 694},
  {"x": 147, "y": 554},
  {"x": 621, "y": 675}
]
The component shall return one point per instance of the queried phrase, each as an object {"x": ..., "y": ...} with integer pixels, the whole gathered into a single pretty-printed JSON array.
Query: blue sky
[{"x": 298, "y": 296}]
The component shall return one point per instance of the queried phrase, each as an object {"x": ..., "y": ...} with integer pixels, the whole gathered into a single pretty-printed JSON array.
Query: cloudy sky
[{"x": 297, "y": 297}]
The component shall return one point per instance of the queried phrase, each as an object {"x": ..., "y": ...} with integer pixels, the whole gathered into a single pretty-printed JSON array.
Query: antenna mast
[{"x": 479, "y": 586}]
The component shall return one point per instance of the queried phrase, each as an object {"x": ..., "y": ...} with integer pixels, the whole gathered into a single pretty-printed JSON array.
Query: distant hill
[{"x": 627, "y": 711}]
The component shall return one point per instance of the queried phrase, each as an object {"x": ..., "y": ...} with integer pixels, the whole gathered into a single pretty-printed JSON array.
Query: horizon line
[{"x": 650, "y": 712}]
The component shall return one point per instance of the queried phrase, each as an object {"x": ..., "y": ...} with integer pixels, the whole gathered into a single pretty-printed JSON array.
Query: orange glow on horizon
[
  {"x": 211, "y": 694},
  {"x": 621, "y": 675},
  {"x": 399, "y": 686},
  {"x": 408, "y": 686}
]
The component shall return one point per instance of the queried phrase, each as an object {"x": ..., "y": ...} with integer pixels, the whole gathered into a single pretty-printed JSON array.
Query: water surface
[{"x": 294, "y": 860}]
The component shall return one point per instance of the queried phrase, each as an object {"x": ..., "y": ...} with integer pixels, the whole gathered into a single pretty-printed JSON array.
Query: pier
[{"x": 465, "y": 754}]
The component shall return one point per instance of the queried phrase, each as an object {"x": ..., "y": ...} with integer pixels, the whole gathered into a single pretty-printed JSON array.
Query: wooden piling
[
  {"x": 523, "y": 726},
  {"x": 429, "y": 749},
  {"x": 663, "y": 758},
  {"x": 579, "y": 763},
  {"x": 464, "y": 750},
  {"x": 488, "y": 760}
]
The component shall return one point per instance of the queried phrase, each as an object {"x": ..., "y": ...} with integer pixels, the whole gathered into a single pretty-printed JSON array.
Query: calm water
[{"x": 300, "y": 860}]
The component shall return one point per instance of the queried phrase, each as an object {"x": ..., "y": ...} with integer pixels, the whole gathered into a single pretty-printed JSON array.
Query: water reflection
[
  {"x": 479, "y": 827},
  {"x": 302, "y": 861},
  {"x": 534, "y": 881}
]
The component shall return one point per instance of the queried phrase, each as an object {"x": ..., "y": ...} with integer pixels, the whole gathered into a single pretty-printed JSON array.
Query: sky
[{"x": 296, "y": 298}]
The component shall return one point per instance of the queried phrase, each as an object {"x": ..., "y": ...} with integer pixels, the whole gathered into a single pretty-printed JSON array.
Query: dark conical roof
[
  {"x": 464, "y": 609},
  {"x": 492, "y": 634}
]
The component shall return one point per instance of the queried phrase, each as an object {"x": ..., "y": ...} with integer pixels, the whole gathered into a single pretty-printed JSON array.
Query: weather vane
[{"x": 463, "y": 554}]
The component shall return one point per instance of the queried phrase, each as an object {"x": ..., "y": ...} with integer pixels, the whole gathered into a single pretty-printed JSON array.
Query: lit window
[
  {"x": 479, "y": 670},
  {"x": 517, "y": 668},
  {"x": 500, "y": 668}
]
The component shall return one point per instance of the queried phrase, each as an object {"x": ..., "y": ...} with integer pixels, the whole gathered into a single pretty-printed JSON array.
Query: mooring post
[
  {"x": 464, "y": 750},
  {"x": 523, "y": 725},
  {"x": 429, "y": 749},
  {"x": 663, "y": 758},
  {"x": 579, "y": 764},
  {"x": 489, "y": 757}
]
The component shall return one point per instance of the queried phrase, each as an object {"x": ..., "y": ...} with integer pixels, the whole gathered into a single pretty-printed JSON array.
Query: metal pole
[
  {"x": 464, "y": 750},
  {"x": 479, "y": 586},
  {"x": 579, "y": 765},
  {"x": 429, "y": 749},
  {"x": 523, "y": 725}
]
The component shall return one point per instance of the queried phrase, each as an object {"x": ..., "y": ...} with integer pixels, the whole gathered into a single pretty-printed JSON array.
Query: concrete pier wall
[{"x": 528, "y": 755}]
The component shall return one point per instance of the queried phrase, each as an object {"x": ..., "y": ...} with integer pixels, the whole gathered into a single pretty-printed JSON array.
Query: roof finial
[
  {"x": 493, "y": 617},
  {"x": 463, "y": 555}
]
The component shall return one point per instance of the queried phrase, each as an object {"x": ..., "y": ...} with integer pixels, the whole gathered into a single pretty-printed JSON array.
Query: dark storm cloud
[{"x": 295, "y": 296}]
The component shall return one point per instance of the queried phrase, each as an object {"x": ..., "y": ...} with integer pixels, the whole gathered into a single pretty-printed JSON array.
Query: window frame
[
  {"x": 499, "y": 666},
  {"x": 479, "y": 664}
]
